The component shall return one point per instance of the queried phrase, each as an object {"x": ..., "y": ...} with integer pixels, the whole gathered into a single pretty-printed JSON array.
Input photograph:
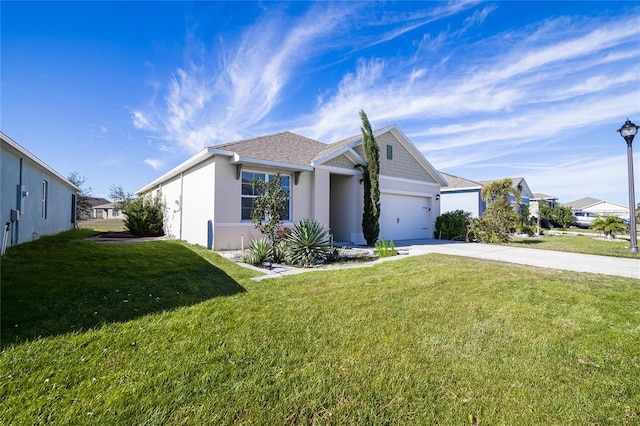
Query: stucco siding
[
  {"x": 171, "y": 194},
  {"x": 33, "y": 223},
  {"x": 198, "y": 202},
  {"x": 301, "y": 197}
]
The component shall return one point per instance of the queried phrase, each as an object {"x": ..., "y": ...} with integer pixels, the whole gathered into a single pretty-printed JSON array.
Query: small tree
[
  {"x": 610, "y": 225},
  {"x": 499, "y": 220},
  {"x": 119, "y": 197},
  {"x": 145, "y": 215},
  {"x": 269, "y": 207},
  {"x": 371, "y": 183},
  {"x": 83, "y": 208}
]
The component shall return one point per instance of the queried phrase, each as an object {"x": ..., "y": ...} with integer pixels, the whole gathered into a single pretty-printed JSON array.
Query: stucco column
[{"x": 321, "y": 196}]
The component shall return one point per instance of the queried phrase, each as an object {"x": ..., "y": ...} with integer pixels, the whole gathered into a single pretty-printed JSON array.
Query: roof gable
[
  {"x": 458, "y": 183},
  {"x": 585, "y": 203},
  {"x": 414, "y": 159}
]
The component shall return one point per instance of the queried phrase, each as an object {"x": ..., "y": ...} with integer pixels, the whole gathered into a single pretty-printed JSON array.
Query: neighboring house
[
  {"x": 35, "y": 200},
  {"x": 539, "y": 200},
  {"x": 464, "y": 194},
  {"x": 91, "y": 203},
  {"x": 601, "y": 207},
  {"x": 209, "y": 198},
  {"x": 461, "y": 194},
  {"x": 107, "y": 210}
]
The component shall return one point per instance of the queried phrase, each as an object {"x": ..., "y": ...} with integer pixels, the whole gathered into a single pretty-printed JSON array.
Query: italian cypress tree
[{"x": 371, "y": 182}]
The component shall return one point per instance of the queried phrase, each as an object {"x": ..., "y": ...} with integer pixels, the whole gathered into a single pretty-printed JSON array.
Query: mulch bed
[{"x": 119, "y": 234}]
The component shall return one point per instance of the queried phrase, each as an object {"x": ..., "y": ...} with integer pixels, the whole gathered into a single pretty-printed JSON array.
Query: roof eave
[
  {"x": 184, "y": 166},
  {"x": 22, "y": 151}
]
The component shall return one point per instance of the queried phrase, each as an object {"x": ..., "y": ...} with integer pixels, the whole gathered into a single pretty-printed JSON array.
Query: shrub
[
  {"x": 453, "y": 225},
  {"x": 386, "y": 248},
  {"x": 495, "y": 226},
  {"x": 145, "y": 215},
  {"x": 307, "y": 243},
  {"x": 259, "y": 252},
  {"x": 558, "y": 216}
]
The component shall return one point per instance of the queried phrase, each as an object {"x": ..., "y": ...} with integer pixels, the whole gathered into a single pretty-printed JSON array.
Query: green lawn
[
  {"x": 587, "y": 244},
  {"x": 422, "y": 340}
]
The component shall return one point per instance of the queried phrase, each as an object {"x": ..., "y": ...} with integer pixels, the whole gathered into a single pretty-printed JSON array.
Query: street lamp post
[{"x": 628, "y": 131}]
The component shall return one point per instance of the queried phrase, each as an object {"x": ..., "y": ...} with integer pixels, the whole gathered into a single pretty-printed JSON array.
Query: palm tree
[
  {"x": 500, "y": 190},
  {"x": 609, "y": 225}
]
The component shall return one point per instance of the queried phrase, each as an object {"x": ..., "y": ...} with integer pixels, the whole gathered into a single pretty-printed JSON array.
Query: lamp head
[{"x": 628, "y": 131}]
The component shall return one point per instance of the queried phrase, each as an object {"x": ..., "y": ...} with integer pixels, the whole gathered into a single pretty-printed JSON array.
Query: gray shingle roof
[
  {"x": 456, "y": 182},
  {"x": 285, "y": 147},
  {"x": 582, "y": 203}
]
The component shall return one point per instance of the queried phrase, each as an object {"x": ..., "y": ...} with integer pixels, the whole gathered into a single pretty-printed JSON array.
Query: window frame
[
  {"x": 268, "y": 176},
  {"x": 45, "y": 197}
]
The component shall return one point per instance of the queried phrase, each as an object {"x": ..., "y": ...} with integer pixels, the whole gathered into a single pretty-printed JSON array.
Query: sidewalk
[{"x": 605, "y": 265}]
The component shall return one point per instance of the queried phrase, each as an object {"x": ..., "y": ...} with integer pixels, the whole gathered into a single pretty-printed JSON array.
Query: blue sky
[{"x": 121, "y": 92}]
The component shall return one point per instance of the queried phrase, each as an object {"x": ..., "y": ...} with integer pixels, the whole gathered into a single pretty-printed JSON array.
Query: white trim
[
  {"x": 354, "y": 172},
  {"x": 347, "y": 151},
  {"x": 236, "y": 159},
  {"x": 183, "y": 167},
  {"x": 244, "y": 224},
  {"x": 466, "y": 188},
  {"x": 413, "y": 150},
  {"x": 268, "y": 174},
  {"x": 410, "y": 193},
  {"x": 404, "y": 180}
]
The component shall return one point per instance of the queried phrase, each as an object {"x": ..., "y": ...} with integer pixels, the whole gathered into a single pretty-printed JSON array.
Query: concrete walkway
[{"x": 605, "y": 265}]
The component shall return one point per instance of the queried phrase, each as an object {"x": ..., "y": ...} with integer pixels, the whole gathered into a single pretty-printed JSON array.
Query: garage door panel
[{"x": 403, "y": 217}]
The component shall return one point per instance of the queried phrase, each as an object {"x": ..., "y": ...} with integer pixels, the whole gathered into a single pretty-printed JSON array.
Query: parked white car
[{"x": 583, "y": 219}]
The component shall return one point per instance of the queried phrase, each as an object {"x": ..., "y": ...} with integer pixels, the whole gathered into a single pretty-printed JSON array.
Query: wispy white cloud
[
  {"x": 467, "y": 101},
  {"x": 208, "y": 104},
  {"x": 155, "y": 163}
]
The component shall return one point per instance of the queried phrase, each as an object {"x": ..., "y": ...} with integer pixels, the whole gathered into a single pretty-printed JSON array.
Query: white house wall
[
  {"x": 198, "y": 202},
  {"x": 468, "y": 201},
  {"x": 230, "y": 232},
  {"x": 171, "y": 194},
  {"x": 59, "y": 208},
  {"x": 609, "y": 209}
]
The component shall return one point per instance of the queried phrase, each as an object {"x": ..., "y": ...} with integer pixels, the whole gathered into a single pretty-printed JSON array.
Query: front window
[{"x": 250, "y": 192}]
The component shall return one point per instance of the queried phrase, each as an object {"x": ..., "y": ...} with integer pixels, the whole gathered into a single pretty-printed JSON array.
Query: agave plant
[
  {"x": 308, "y": 243},
  {"x": 259, "y": 251}
]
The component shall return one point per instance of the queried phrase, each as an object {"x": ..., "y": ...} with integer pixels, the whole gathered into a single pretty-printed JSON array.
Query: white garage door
[{"x": 404, "y": 217}]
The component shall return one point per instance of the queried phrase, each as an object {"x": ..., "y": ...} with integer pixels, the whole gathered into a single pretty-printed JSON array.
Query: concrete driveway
[{"x": 524, "y": 256}]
